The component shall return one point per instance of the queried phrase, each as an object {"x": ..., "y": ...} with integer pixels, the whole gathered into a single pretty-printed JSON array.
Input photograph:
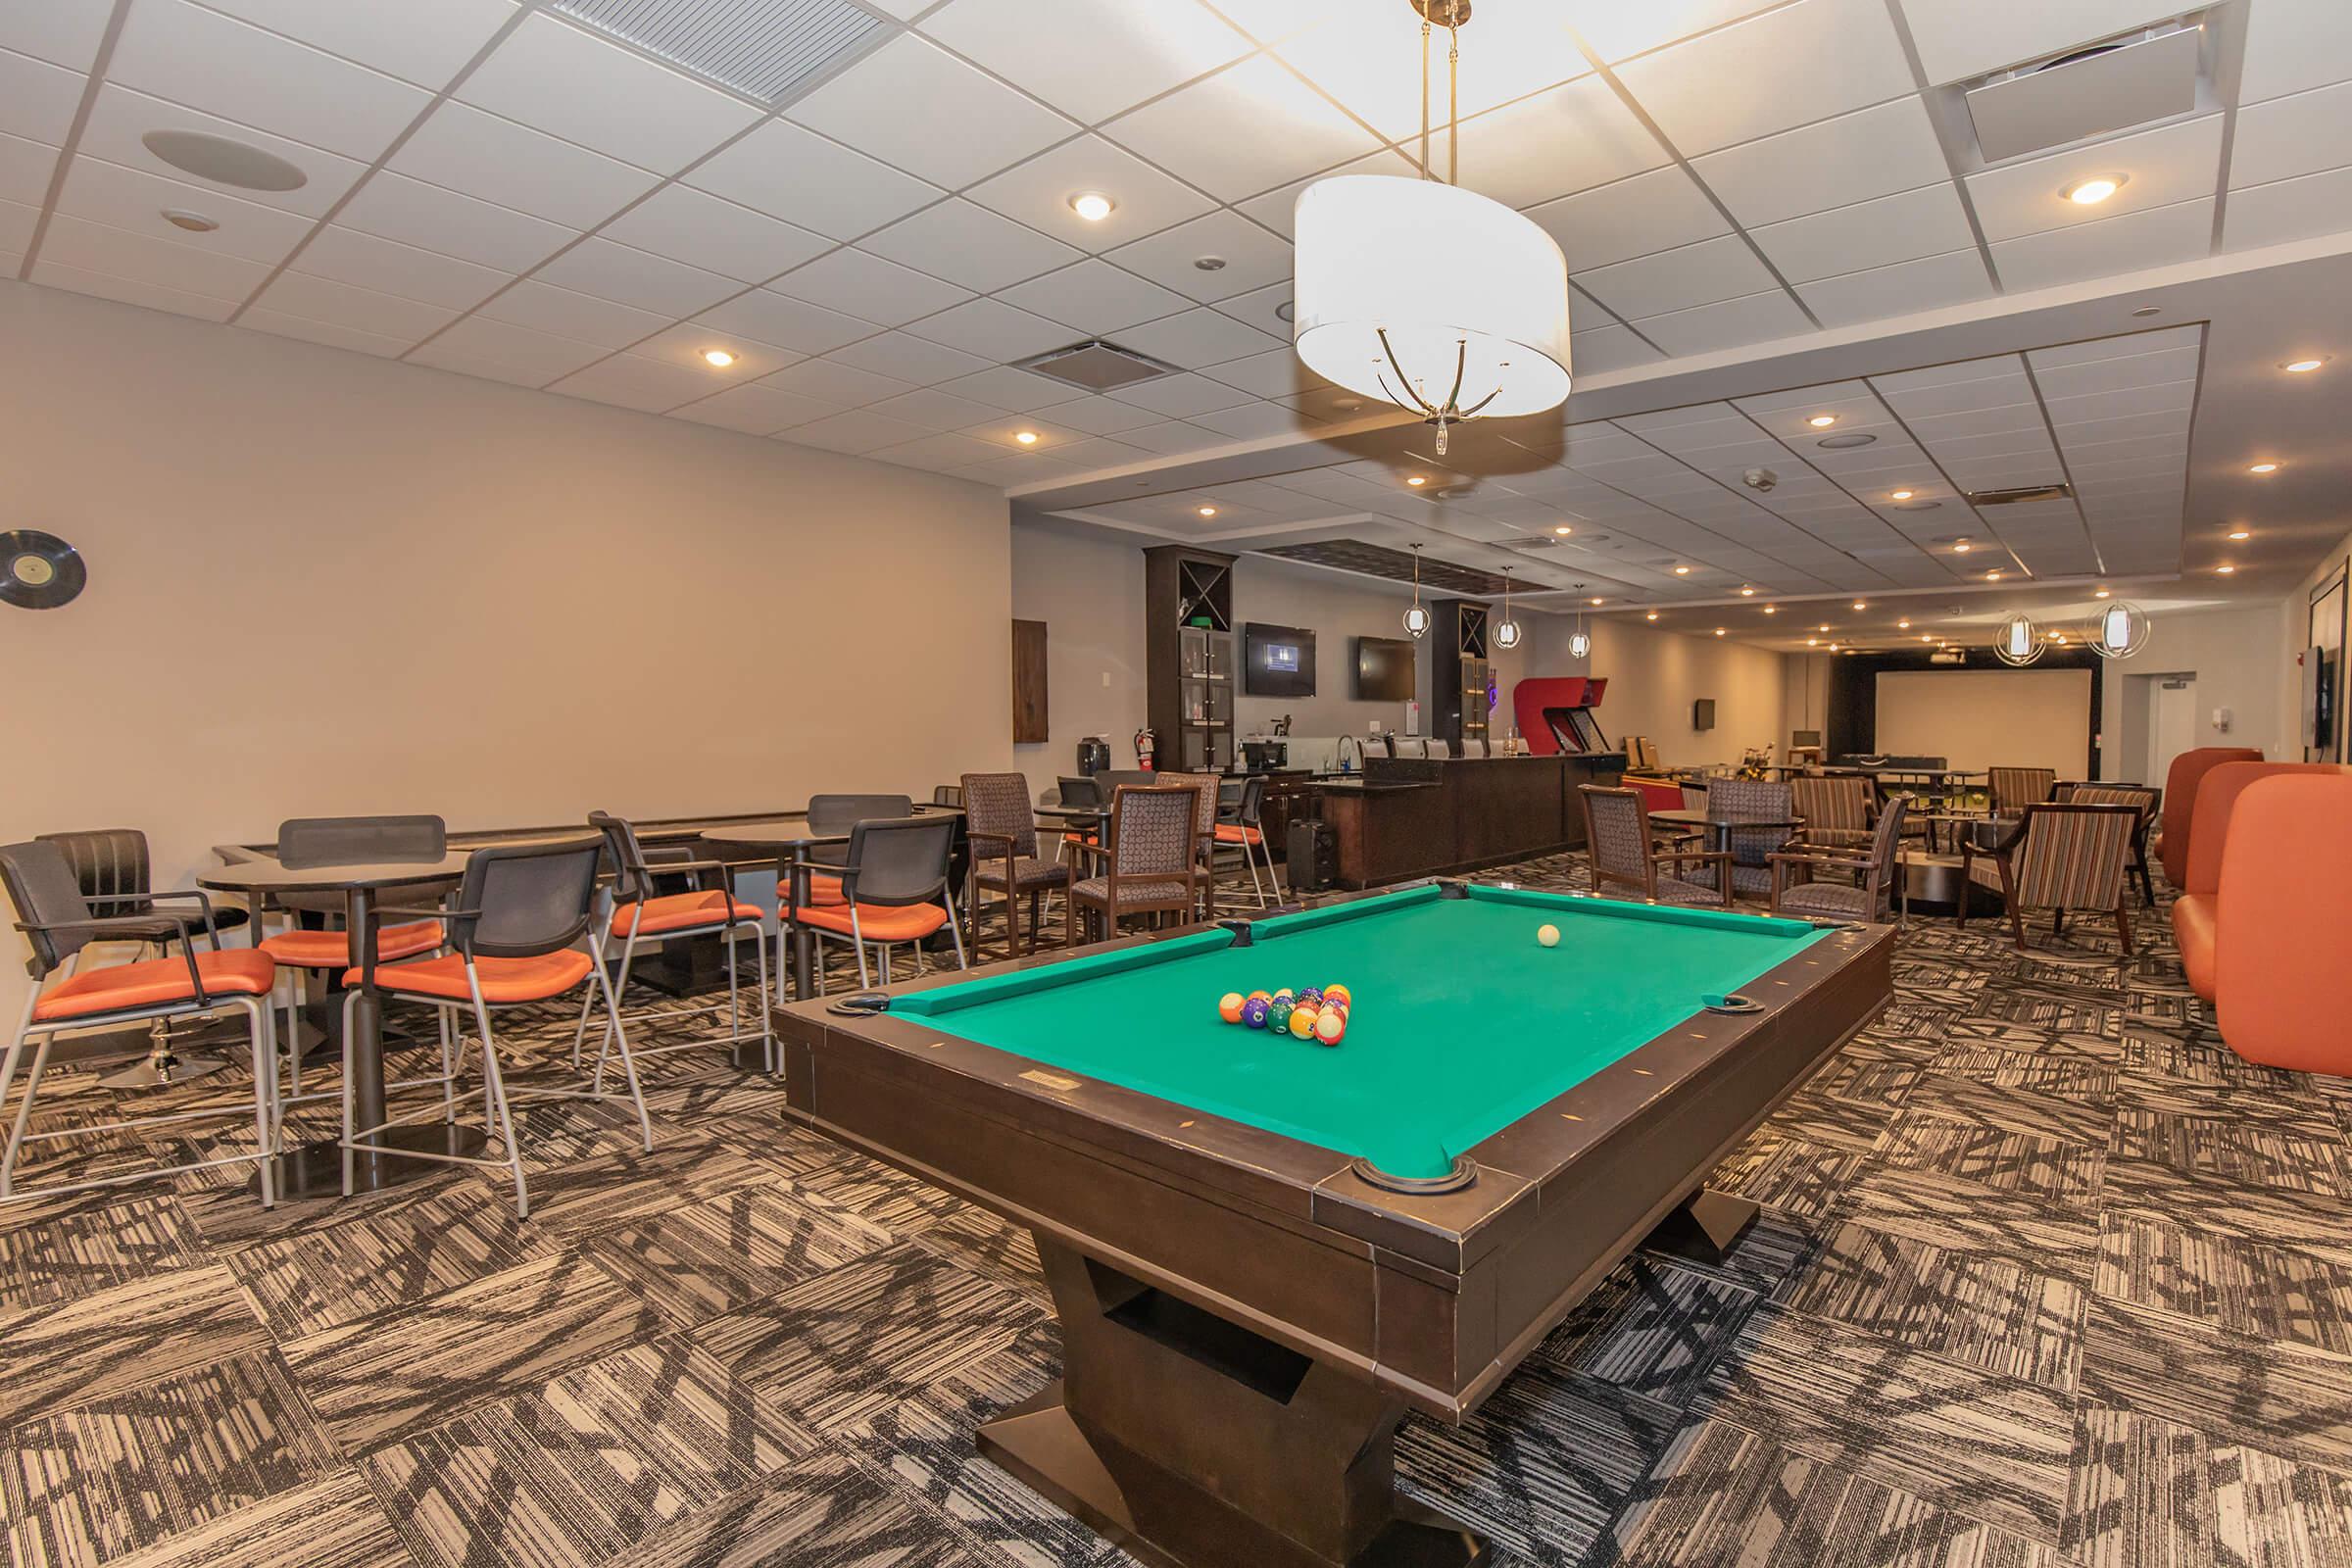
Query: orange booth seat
[
  {"x": 2286, "y": 924},
  {"x": 2196, "y": 913},
  {"x": 2180, "y": 803}
]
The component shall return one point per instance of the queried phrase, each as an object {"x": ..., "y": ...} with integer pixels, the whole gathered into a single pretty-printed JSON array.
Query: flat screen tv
[
  {"x": 1278, "y": 661},
  {"x": 1384, "y": 670}
]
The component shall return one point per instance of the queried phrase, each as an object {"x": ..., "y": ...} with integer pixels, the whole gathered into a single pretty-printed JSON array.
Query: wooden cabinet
[
  {"x": 1190, "y": 669},
  {"x": 1460, "y": 674},
  {"x": 1029, "y": 683}
]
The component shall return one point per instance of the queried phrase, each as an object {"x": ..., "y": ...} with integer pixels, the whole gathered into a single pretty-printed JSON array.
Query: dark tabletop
[
  {"x": 794, "y": 832},
  {"x": 1682, "y": 816},
  {"x": 269, "y": 874}
]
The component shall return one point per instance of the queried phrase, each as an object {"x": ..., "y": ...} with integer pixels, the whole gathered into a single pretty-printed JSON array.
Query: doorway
[{"x": 2171, "y": 722}]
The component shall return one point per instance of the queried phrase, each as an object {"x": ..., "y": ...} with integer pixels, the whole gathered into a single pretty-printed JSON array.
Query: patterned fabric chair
[
  {"x": 1748, "y": 799},
  {"x": 1003, "y": 829},
  {"x": 1617, "y": 833},
  {"x": 1204, "y": 788},
  {"x": 1151, "y": 862},
  {"x": 2064, "y": 858},
  {"x": 2016, "y": 788},
  {"x": 2142, "y": 797},
  {"x": 1836, "y": 808},
  {"x": 1877, "y": 870}
]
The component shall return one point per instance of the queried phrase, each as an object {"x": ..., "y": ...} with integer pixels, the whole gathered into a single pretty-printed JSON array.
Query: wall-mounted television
[
  {"x": 1384, "y": 670},
  {"x": 1278, "y": 661},
  {"x": 1702, "y": 713}
]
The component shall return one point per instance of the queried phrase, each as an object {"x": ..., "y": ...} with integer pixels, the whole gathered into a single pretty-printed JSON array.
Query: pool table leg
[
  {"x": 1705, "y": 1229},
  {"x": 1190, "y": 1440}
]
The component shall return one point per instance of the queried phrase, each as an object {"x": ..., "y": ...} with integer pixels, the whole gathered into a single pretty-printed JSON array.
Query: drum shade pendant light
[
  {"x": 1426, "y": 295},
  {"x": 1506, "y": 630},
  {"x": 2018, "y": 642},
  {"x": 1417, "y": 620},
  {"x": 2119, "y": 630}
]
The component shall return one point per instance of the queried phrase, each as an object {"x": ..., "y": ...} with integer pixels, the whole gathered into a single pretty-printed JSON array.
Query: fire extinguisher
[{"x": 1145, "y": 746}]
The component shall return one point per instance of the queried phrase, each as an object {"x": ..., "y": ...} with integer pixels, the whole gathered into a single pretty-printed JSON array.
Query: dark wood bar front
[{"x": 1410, "y": 817}]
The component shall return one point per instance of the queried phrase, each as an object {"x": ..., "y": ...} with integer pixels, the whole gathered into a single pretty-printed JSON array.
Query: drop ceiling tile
[
  {"x": 2291, "y": 45},
  {"x": 1100, "y": 415},
  {"x": 1727, "y": 323},
  {"x": 414, "y": 212},
  {"x": 971, "y": 246},
  {"x": 1569, "y": 139},
  {"x": 37, "y": 100},
  {"x": 2157, "y": 238},
  {"x": 1038, "y": 193},
  {"x": 1001, "y": 387},
  {"x": 1902, "y": 289},
  {"x": 2175, "y": 368},
  {"x": 1180, "y": 396},
  {"x": 565, "y": 313},
  {"x": 349, "y": 256},
  {"x": 685, "y": 343},
  {"x": 918, "y": 108},
  {"x": 2290, "y": 209},
  {"x": 327, "y": 333},
  {"x": 119, "y": 118},
  {"x": 421, "y": 41},
  {"x": 1275, "y": 374},
  {"x": 1173, "y": 438},
  {"x": 1252, "y": 258},
  {"x": 366, "y": 310},
  {"x": 1733, "y": 86},
  {"x": 867, "y": 286},
  {"x": 63, "y": 33},
  {"x": 1905, "y": 228},
  {"x": 563, "y": 80},
  {"x": 210, "y": 62},
  {"x": 1095, "y": 298},
  {"x": 993, "y": 330},
  {"x": 2168, "y": 164},
  {"x": 479, "y": 155},
  {"x": 1616, "y": 31},
  {"x": 1099, "y": 59},
  {"x": 629, "y": 382},
  {"x": 106, "y": 193},
  {"x": 766, "y": 317},
  {"x": 1695, "y": 274},
  {"x": 934, "y": 410},
  {"x": 1003, "y": 434},
  {"x": 912, "y": 359},
  {"x": 754, "y": 410},
  {"x": 1654, "y": 212},
  {"x": 25, "y": 169},
  {"x": 1264, "y": 308},
  {"x": 1271, "y": 21},
  {"x": 684, "y": 224},
  {"x": 841, "y": 385},
  {"x": 855, "y": 432},
  {"x": 142, "y": 259},
  {"x": 129, "y": 290},
  {"x": 1873, "y": 152},
  {"x": 637, "y": 278},
  {"x": 1933, "y": 427},
  {"x": 803, "y": 179},
  {"x": 1959, "y": 38},
  {"x": 2286, "y": 138},
  {"x": 1294, "y": 131},
  {"x": 937, "y": 454},
  {"x": 1276, "y": 208},
  {"x": 520, "y": 351},
  {"x": 1369, "y": 59},
  {"x": 17, "y": 221}
]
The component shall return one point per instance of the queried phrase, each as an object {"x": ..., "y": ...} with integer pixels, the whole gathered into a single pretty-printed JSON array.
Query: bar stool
[
  {"x": 896, "y": 881},
  {"x": 1243, "y": 827},
  {"x": 839, "y": 813},
  {"x": 639, "y": 915}
]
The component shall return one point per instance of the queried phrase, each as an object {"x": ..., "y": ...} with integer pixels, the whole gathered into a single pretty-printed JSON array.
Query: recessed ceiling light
[
  {"x": 2224, "y": 570},
  {"x": 2241, "y": 533},
  {"x": 1719, "y": 631},
  {"x": 1992, "y": 577},
  {"x": 1845, "y": 443},
  {"x": 1681, "y": 571},
  {"x": 1822, "y": 421},
  {"x": 1092, "y": 206},
  {"x": 1563, "y": 530},
  {"x": 718, "y": 359},
  {"x": 1901, "y": 495},
  {"x": 2147, "y": 310},
  {"x": 1772, "y": 609},
  {"x": 1903, "y": 625},
  {"x": 1861, "y": 605},
  {"x": 1832, "y": 648},
  {"x": 1925, "y": 638},
  {"x": 1208, "y": 512},
  {"x": 1210, "y": 264},
  {"x": 1652, "y": 616},
  {"x": 1748, "y": 593},
  {"x": 1812, "y": 641},
  {"x": 2091, "y": 192},
  {"x": 2303, "y": 366},
  {"x": 1823, "y": 626},
  {"x": 2101, "y": 593},
  {"x": 2263, "y": 468},
  {"x": 1960, "y": 547},
  {"x": 1416, "y": 482},
  {"x": 1027, "y": 438},
  {"x": 193, "y": 223},
  {"x": 1596, "y": 599}
]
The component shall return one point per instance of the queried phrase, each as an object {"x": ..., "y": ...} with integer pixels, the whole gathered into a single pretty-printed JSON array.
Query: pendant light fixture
[
  {"x": 2119, "y": 629},
  {"x": 1426, "y": 295},
  {"x": 1417, "y": 620},
  {"x": 2018, "y": 643},
  {"x": 1579, "y": 645},
  {"x": 1506, "y": 630}
]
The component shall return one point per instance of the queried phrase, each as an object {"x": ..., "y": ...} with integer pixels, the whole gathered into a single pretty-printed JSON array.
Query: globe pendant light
[
  {"x": 1579, "y": 645},
  {"x": 1426, "y": 295},
  {"x": 2119, "y": 630},
  {"x": 1506, "y": 630},
  {"x": 1417, "y": 620},
  {"x": 2018, "y": 642}
]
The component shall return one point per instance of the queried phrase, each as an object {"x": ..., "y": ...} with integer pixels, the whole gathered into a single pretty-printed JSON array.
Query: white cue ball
[{"x": 1548, "y": 935}]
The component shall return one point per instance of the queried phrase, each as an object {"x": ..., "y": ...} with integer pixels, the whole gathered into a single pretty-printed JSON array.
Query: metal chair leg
[
  {"x": 962, "y": 962},
  {"x": 865, "y": 979},
  {"x": 629, "y": 1062},
  {"x": 262, "y": 1020},
  {"x": 447, "y": 1018},
  {"x": 350, "y": 1156},
  {"x": 494, "y": 1092}
]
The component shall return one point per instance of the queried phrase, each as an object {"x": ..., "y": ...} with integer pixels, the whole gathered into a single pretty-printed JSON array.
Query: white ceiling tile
[
  {"x": 1252, "y": 258},
  {"x": 1270, "y": 21},
  {"x": 1569, "y": 139},
  {"x": 754, "y": 410},
  {"x": 1099, "y": 416},
  {"x": 1038, "y": 193},
  {"x": 1253, "y": 421},
  {"x": 803, "y": 179},
  {"x": 1369, "y": 59},
  {"x": 1003, "y": 434},
  {"x": 1901, "y": 289},
  {"x": 2290, "y": 45},
  {"x": 568, "y": 82},
  {"x": 2303, "y": 134},
  {"x": 1173, "y": 438},
  {"x": 629, "y": 382},
  {"x": 17, "y": 221},
  {"x": 1001, "y": 387},
  {"x": 1276, "y": 208},
  {"x": 119, "y": 118},
  {"x": 866, "y": 286},
  {"x": 1734, "y": 84},
  {"x": 37, "y": 100},
  {"x": 106, "y": 193},
  {"x": 129, "y": 290},
  {"x": 687, "y": 226},
  {"x": 1277, "y": 372},
  {"x": 1095, "y": 297},
  {"x": 64, "y": 32},
  {"x": 2180, "y": 232},
  {"x": 414, "y": 212},
  {"x": 1890, "y": 147},
  {"x": 1292, "y": 131},
  {"x": 1196, "y": 338},
  {"x": 637, "y": 278},
  {"x": 424, "y": 41},
  {"x": 1616, "y": 31},
  {"x": 939, "y": 453},
  {"x": 1727, "y": 323},
  {"x": 767, "y": 317},
  {"x": 685, "y": 344},
  {"x": 915, "y": 361},
  {"x": 475, "y": 340},
  {"x": 993, "y": 330},
  {"x": 1923, "y": 223},
  {"x": 841, "y": 385},
  {"x": 1654, "y": 212},
  {"x": 205, "y": 60},
  {"x": 1263, "y": 309},
  {"x": 349, "y": 256},
  {"x": 2290, "y": 209},
  {"x": 367, "y": 310},
  {"x": 142, "y": 259},
  {"x": 1604, "y": 349},
  {"x": 1960, "y": 38},
  {"x": 1671, "y": 280},
  {"x": 856, "y": 431},
  {"x": 280, "y": 324},
  {"x": 2172, "y": 163},
  {"x": 913, "y": 104},
  {"x": 481, "y": 155},
  {"x": 25, "y": 169},
  {"x": 1180, "y": 396},
  {"x": 566, "y": 313},
  {"x": 971, "y": 246},
  {"x": 934, "y": 410},
  {"x": 1100, "y": 58}
]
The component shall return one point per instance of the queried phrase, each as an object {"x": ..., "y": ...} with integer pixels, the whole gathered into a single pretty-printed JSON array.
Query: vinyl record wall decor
[{"x": 39, "y": 571}]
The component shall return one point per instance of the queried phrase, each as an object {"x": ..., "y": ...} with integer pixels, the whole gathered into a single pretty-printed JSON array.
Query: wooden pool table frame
[{"x": 1244, "y": 1319}]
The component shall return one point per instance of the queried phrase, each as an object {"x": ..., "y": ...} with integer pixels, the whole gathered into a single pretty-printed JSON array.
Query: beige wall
[
  {"x": 2233, "y": 654},
  {"x": 1089, "y": 591},
  {"x": 1654, "y": 676},
  {"x": 321, "y": 584},
  {"x": 1988, "y": 718},
  {"x": 2295, "y": 634}
]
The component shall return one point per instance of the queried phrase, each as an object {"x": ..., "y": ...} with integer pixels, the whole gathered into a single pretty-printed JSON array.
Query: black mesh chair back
[
  {"x": 947, "y": 795},
  {"x": 361, "y": 840},
  {"x": 1081, "y": 789},
  {"x": 520, "y": 900},
  {"x": 840, "y": 813},
  {"x": 41, "y": 884},
  {"x": 624, "y": 856},
  {"x": 111, "y": 866},
  {"x": 897, "y": 860}
]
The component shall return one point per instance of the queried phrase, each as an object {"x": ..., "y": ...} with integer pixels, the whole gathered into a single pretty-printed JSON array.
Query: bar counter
[{"x": 1410, "y": 817}]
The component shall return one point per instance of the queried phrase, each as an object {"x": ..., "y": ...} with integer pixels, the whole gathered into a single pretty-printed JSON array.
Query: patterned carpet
[{"x": 2046, "y": 1276}]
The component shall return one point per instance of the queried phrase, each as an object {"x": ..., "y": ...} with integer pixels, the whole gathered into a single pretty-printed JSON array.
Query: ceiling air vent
[
  {"x": 2137, "y": 78},
  {"x": 763, "y": 49},
  {"x": 1096, "y": 365},
  {"x": 2019, "y": 495}
]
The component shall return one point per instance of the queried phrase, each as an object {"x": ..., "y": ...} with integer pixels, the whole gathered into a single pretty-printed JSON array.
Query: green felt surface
[{"x": 1461, "y": 1021}]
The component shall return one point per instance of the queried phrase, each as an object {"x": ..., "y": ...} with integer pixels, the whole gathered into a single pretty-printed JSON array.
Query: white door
[{"x": 2172, "y": 723}]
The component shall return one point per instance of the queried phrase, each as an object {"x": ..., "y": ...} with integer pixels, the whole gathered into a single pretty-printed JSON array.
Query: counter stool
[
  {"x": 639, "y": 915},
  {"x": 1243, "y": 828},
  {"x": 894, "y": 883}
]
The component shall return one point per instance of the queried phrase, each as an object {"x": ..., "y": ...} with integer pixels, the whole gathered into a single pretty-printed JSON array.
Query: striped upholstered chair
[
  {"x": 2142, "y": 797},
  {"x": 2016, "y": 788},
  {"x": 1876, "y": 871},
  {"x": 1149, "y": 862},
  {"x": 2065, "y": 858},
  {"x": 1617, "y": 834},
  {"x": 1002, "y": 824},
  {"x": 1748, "y": 799},
  {"x": 1835, "y": 807}
]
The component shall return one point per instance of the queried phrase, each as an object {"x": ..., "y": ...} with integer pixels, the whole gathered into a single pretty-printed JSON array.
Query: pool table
[{"x": 1264, "y": 1252}]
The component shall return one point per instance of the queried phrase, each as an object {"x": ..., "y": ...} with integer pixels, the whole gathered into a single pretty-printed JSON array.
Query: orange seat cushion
[
  {"x": 2197, "y": 928},
  {"x": 881, "y": 922},
  {"x": 2283, "y": 925},
  {"x": 240, "y": 971},
  {"x": 824, "y": 890},
  {"x": 550, "y": 974},
  {"x": 326, "y": 950},
  {"x": 1234, "y": 833},
  {"x": 678, "y": 911}
]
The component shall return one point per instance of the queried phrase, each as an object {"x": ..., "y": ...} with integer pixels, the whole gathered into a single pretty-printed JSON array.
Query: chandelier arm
[
  {"x": 1472, "y": 410},
  {"x": 1420, "y": 402},
  {"x": 1462, "y": 367}
]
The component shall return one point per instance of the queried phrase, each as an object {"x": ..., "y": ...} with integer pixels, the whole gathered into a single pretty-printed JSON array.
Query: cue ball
[{"x": 1548, "y": 935}]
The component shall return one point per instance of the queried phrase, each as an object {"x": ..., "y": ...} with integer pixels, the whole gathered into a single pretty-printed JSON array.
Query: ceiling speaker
[{"x": 223, "y": 162}]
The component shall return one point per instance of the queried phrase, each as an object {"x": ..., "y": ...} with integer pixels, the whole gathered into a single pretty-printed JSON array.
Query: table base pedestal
[{"x": 316, "y": 1170}]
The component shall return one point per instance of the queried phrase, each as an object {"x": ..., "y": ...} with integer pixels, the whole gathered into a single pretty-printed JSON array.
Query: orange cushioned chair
[
  {"x": 2181, "y": 782},
  {"x": 2286, "y": 924},
  {"x": 896, "y": 889},
  {"x": 2196, "y": 913},
  {"x": 641, "y": 915}
]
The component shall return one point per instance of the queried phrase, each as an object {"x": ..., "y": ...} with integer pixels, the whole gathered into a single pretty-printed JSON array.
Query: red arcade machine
[{"x": 1555, "y": 714}]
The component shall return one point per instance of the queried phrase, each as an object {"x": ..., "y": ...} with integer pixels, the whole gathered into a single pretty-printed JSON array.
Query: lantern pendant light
[
  {"x": 2119, "y": 630},
  {"x": 1417, "y": 620},
  {"x": 1426, "y": 295},
  {"x": 1579, "y": 645},
  {"x": 1506, "y": 630},
  {"x": 2018, "y": 642}
]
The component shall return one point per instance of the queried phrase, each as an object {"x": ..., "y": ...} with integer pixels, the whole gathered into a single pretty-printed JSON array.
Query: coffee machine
[{"x": 1094, "y": 757}]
